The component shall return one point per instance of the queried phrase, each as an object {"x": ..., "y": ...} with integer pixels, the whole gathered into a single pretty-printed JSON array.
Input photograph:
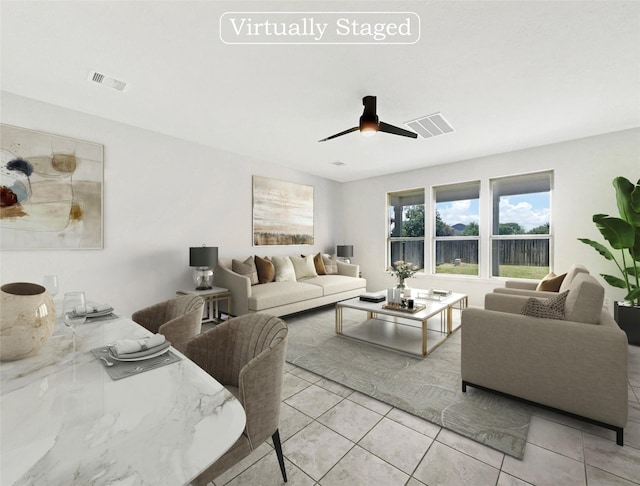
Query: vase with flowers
[{"x": 402, "y": 270}]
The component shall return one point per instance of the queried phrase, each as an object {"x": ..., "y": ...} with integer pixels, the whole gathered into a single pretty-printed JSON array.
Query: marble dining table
[{"x": 64, "y": 421}]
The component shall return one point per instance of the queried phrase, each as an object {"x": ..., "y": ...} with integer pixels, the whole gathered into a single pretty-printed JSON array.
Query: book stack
[{"x": 371, "y": 297}]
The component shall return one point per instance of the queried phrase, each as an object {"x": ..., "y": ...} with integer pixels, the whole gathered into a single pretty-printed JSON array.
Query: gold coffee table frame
[{"x": 444, "y": 307}]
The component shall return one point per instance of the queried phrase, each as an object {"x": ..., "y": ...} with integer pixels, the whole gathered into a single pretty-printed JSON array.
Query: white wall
[
  {"x": 583, "y": 171},
  {"x": 161, "y": 196}
]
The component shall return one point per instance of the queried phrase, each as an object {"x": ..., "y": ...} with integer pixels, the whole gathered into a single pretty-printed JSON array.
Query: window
[
  {"x": 406, "y": 227},
  {"x": 520, "y": 235},
  {"x": 456, "y": 232}
]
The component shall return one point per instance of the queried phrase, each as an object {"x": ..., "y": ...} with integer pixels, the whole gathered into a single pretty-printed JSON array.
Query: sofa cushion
[
  {"x": 330, "y": 264},
  {"x": 552, "y": 308},
  {"x": 284, "y": 269},
  {"x": 585, "y": 299},
  {"x": 266, "y": 270},
  {"x": 303, "y": 267},
  {"x": 574, "y": 270},
  {"x": 246, "y": 268},
  {"x": 551, "y": 283},
  {"x": 275, "y": 294},
  {"x": 319, "y": 264},
  {"x": 334, "y": 284}
]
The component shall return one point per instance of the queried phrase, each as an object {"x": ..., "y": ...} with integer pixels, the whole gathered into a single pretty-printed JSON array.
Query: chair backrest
[
  {"x": 573, "y": 271},
  {"x": 585, "y": 299},
  {"x": 181, "y": 305},
  {"x": 247, "y": 355}
]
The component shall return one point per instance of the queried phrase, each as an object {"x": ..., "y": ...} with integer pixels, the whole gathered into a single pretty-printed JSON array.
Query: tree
[
  {"x": 510, "y": 229},
  {"x": 472, "y": 229},
  {"x": 539, "y": 230},
  {"x": 414, "y": 224},
  {"x": 442, "y": 228}
]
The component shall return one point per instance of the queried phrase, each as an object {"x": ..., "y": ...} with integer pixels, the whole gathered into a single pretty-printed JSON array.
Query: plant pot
[
  {"x": 628, "y": 318},
  {"x": 27, "y": 319}
]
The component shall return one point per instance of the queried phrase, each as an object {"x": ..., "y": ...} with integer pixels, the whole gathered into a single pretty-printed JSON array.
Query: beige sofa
[
  {"x": 577, "y": 366},
  {"x": 287, "y": 297}
]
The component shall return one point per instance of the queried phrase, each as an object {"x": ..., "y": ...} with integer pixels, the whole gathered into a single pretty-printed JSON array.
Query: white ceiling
[{"x": 506, "y": 75}]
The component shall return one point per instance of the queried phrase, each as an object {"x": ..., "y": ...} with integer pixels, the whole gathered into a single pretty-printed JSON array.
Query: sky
[{"x": 528, "y": 210}]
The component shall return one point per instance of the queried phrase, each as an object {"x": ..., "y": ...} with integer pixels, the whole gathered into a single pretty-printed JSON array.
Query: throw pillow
[
  {"x": 303, "y": 267},
  {"x": 552, "y": 308},
  {"x": 246, "y": 268},
  {"x": 284, "y": 269},
  {"x": 330, "y": 264},
  {"x": 319, "y": 264},
  {"x": 551, "y": 283},
  {"x": 266, "y": 270}
]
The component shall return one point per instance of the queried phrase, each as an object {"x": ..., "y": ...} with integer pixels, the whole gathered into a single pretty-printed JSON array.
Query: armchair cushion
[
  {"x": 551, "y": 283},
  {"x": 552, "y": 308}
]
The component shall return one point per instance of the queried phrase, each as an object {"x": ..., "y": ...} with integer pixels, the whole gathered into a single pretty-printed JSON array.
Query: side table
[{"x": 212, "y": 297}]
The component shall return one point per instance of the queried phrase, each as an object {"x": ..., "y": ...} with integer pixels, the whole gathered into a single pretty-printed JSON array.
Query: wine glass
[
  {"x": 74, "y": 311},
  {"x": 50, "y": 283}
]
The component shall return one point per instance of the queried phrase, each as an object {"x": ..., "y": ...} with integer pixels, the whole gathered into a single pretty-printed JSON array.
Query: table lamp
[
  {"x": 345, "y": 252},
  {"x": 203, "y": 259}
]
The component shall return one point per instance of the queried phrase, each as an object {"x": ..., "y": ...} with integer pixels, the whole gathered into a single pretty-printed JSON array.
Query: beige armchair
[
  {"x": 577, "y": 366},
  {"x": 177, "y": 319},
  {"x": 246, "y": 354}
]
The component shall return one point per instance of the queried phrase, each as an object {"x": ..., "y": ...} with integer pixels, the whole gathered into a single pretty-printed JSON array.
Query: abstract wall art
[
  {"x": 51, "y": 191},
  {"x": 282, "y": 212}
]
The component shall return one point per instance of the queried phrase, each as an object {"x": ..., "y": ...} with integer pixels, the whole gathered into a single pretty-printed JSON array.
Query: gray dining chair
[
  {"x": 246, "y": 354},
  {"x": 177, "y": 319}
]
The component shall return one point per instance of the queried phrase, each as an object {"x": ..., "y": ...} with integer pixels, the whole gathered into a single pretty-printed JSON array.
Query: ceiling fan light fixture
[
  {"x": 368, "y": 126},
  {"x": 369, "y": 129}
]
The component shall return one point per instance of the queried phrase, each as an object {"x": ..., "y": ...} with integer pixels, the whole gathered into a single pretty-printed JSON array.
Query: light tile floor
[{"x": 335, "y": 436}]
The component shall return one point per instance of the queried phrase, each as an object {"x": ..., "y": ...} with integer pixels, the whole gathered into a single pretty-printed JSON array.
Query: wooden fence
[{"x": 508, "y": 252}]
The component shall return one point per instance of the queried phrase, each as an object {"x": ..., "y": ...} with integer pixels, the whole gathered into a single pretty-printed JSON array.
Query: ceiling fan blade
[
  {"x": 385, "y": 127},
  {"x": 340, "y": 134}
]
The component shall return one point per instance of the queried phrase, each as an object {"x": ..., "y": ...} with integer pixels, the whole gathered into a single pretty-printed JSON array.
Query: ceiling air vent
[
  {"x": 107, "y": 81},
  {"x": 430, "y": 126}
]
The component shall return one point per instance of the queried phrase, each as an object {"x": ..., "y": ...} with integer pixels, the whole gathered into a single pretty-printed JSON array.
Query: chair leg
[{"x": 278, "y": 446}]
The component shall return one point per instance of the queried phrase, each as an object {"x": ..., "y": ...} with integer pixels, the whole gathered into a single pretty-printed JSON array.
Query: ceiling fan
[{"x": 370, "y": 124}]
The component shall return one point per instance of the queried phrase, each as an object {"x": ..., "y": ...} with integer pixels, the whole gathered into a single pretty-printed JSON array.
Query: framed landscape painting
[
  {"x": 282, "y": 212},
  {"x": 52, "y": 191}
]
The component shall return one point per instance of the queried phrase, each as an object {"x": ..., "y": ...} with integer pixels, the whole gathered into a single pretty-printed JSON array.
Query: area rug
[{"x": 429, "y": 387}]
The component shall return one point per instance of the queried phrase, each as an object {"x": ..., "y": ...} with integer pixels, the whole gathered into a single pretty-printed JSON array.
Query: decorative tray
[{"x": 416, "y": 308}]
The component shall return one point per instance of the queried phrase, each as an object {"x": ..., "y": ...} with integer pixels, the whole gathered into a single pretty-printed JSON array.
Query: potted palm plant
[{"x": 623, "y": 235}]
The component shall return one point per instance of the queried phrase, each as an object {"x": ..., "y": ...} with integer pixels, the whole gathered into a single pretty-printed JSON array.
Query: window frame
[
  {"x": 456, "y": 192},
  {"x": 409, "y": 193},
  {"x": 535, "y": 183}
]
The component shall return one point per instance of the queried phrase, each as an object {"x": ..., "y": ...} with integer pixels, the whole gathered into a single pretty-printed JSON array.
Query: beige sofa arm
[
  {"x": 240, "y": 287},
  {"x": 576, "y": 367},
  {"x": 348, "y": 269}
]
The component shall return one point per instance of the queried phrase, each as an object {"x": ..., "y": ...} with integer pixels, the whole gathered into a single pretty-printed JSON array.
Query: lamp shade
[
  {"x": 345, "y": 251},
  {"x": 203, "y": 256}
]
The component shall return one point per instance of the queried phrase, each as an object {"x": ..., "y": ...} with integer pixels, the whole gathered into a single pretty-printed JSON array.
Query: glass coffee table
[{"x": 401, "y": 329}]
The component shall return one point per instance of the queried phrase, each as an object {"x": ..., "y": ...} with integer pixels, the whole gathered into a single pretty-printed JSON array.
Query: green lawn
[
  {"x": 507, "y": 271},
  {"x": 462, "y": 269},
  {"x": 520, "y": 271}
]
